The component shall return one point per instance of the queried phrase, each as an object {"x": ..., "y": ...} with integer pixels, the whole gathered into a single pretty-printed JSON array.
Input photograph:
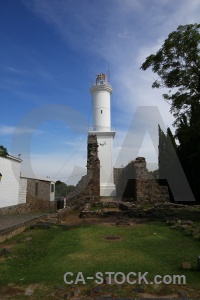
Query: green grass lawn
[{"x": 151, "y": 247}]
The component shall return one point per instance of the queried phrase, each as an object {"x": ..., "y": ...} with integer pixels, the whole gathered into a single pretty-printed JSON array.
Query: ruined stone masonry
[
  {"x": 88, "y": 188},
  {"x": 32, "y": 205},
  {"x": 136, "y": 183},
  {"x": 133, "y": 182}
]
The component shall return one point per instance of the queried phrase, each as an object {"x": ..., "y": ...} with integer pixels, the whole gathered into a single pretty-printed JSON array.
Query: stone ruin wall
[
  {"x": 88, "y": 188},
  {"x": 142, "y": 186},
  {"x": 33, "y": 204},
  {"x": 133, "y": 182}
]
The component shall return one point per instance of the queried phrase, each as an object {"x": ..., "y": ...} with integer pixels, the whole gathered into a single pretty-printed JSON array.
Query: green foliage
[
  {"x": 155, "y": 173},
  {"x": 167, "y": 153},
  {"x": 188, "y": 134},
  {"x": 3, "y": 152},
  {"x": 177, "y": 64},
  {"x": 171, "y": 138},
  {"x": 167, "y": 159},
  {"x": 62, "y": 189}
]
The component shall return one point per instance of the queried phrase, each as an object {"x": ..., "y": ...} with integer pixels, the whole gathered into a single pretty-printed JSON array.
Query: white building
[
  {"x": 30, "y": 189},
  {"x": 9, "y": 184},
  {"x": 101, "y": 92},
  {"x": 15, "y": 190}
]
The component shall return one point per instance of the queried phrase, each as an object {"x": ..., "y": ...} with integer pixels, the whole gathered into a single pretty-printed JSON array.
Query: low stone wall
[
  {"x": 130, "y": 210},
  {"x": 149, "y": 192},
  {"x": 35, "y": 204},
  {"x": 15, "y": 209},
  {"x": 32, "y": 205},
  {"x": 110, "y": 204},
  {"x": 103, "y": 214},
  {"x": 11, "y": 233}
]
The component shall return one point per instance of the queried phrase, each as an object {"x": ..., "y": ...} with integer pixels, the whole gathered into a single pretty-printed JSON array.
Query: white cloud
[
  {"x": 44, "y": 74},
  {"x": 14, "y": 70},
  {"x": 11, "y": 130},
  {"x": 55, "y": 166},
  {"x": 123, "y": 35}
]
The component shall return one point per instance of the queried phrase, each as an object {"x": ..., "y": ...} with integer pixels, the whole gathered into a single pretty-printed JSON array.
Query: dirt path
[{"x": 75, "y": 220}]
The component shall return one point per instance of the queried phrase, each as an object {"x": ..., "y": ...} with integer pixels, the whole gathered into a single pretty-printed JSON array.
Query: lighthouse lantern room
[{"x": 101, "y": 92}]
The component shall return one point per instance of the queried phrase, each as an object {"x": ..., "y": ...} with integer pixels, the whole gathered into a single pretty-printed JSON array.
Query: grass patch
[{"x": 152, "y": 248}]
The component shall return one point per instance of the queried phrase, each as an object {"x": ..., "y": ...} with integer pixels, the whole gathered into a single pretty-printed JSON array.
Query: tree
[
  {"x": 3, "y": 152},
  {"x": 177, "y": 65},
  {"x": 188, "y": 134},
  {"x": 62, "y": 189},
  {"x": 155, "y": 173},
  {"x": 167, "y": 152},
  {"x": 167, "y": 158}
]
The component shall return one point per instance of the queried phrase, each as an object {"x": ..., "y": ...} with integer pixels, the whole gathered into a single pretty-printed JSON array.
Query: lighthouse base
[{"x": 107, "y": 190}]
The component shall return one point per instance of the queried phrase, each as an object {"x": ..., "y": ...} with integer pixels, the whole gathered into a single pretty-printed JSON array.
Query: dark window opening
[
  {"x": 130, "y": 189},
  {"x": 52, "y": 188},
  {"x": 36, "y": 189},
  {"x": 101, "y": 111}
]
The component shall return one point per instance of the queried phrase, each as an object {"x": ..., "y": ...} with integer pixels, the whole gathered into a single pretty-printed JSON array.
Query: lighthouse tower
[{"x": 101, "y": 92}]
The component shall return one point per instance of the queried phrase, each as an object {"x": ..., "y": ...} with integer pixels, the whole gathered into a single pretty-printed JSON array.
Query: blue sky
[{"x": 49, "y": 52}]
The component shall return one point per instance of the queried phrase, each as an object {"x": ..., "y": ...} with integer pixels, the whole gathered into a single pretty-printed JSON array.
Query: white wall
[
  {"x": 105, "y": 154},
  {"x": 9, "y": 185},
  {"x": 101, "y": 107},
  {"x": 101, "y": 127}
]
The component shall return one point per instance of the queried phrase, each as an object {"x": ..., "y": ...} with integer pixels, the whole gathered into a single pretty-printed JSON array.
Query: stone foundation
[
  {"x": 130, "y": 210},
  {"x": 32, "y": 205}
]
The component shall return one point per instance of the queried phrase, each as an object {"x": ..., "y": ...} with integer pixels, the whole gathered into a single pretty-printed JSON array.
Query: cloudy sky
[{"x": 50, "y": 50}]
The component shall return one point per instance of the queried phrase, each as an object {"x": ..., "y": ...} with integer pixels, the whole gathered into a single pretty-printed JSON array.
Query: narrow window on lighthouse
[{"x": 101, "y": 111}]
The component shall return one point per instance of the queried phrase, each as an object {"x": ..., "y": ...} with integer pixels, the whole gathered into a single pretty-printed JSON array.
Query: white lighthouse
[{"x": 101, "y": 92}]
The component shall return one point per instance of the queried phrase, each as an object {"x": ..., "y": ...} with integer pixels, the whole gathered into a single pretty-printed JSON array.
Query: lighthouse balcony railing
[
  {"x": 101, "y": 82},
  {"x": 101, "y": 128}
]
